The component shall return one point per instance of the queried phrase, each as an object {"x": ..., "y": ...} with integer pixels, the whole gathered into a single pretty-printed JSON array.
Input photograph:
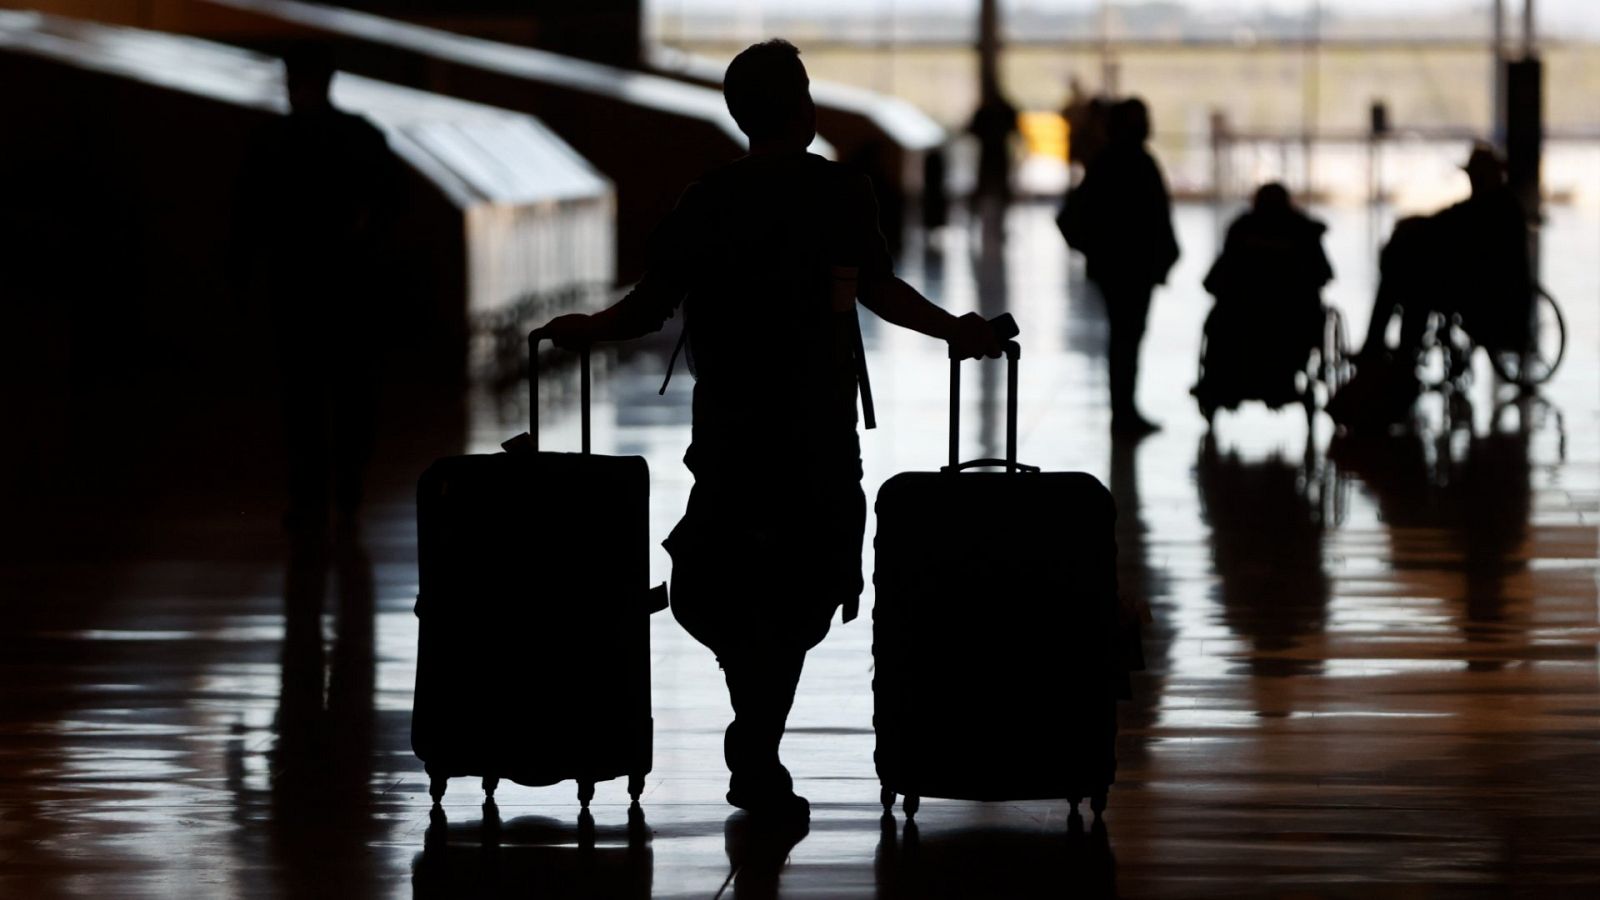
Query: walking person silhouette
[
  {"x": 767, "y": 255},
  {"x": 1120, "y": 219},
  {"x": 318, "y": 195}
]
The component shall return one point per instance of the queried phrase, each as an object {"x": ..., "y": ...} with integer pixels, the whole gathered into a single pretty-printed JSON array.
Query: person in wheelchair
[
  {"x": 1468, "y": 262},
  {"x": 1268, "y": 315}
]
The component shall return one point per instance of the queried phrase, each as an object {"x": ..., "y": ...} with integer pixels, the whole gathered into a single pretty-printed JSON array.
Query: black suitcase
[
  {"x": 998, "y": 648},
  {"x": 533, "y": 615}
]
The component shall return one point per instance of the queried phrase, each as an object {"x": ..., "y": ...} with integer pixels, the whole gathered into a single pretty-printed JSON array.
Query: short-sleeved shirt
[{"x": 752, "y": 250}]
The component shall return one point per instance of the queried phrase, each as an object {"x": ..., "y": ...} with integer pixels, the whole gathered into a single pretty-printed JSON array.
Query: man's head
[
  {"x": 1272, "y": 198},
  {"x": 769, "y": 95},
  {"x": 1484, "y": 168},
  {"x": 309, "y": 73},
  {"x": 1128, "y": 122}
]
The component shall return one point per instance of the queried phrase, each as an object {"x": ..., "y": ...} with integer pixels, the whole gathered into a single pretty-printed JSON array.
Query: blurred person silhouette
[
  {"x": 1086, "y": 116},
  {"x": 1267, "y": 519},
  {"x": 1120, "y": 219},
  {"x": 1470, "y": 492},
  {"x": 994, "y": 123},
  {"x": 768, "y": 254},
  {"x": 1470, "y": 259},
  {"x": 318, "y": 194},
  {"x": 1268, "y": 317}
]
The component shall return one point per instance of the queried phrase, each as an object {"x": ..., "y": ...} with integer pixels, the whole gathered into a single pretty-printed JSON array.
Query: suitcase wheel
[
  {"x": 490, "y": 782},
  {"x": 886, "y": 797},
  {"x": 436, "y": 788},
  {"x": 585, "y": 793},
  {"x": 635, "y": 787},
  {"x": 911, "y": 805}
]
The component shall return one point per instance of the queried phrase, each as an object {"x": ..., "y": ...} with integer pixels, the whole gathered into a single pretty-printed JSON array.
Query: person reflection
[
  {"x": 771, "y": 252},
  {"x": 317, "y": 198},
  {"x": 1266, "y": 526},
  {"x": 999, "y": 861},
  {"x": 325, "y": 720},
  {"x": 758, "y": 851},
  {"x": 1473, "y": 490},
  {"x": 317, "y": 803},
  {"x": 1142, "y": 588}
]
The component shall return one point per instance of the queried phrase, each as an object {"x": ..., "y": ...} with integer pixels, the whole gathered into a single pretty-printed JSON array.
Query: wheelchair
[
  {"x": 1444, "y": 357},
  {"x": 1323, "y": 369}
]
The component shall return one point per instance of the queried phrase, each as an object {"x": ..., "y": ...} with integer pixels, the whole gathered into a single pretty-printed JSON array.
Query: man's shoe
[
  {"x": 1133, "y": 425},
  {"x": 784, "y": 804}
]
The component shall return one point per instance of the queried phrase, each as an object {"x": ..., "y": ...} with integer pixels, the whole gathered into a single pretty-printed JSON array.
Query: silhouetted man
[
  {"x": 768, "y": 254},
  {"x": 1120, "y": 218},
  {"x": 317, "y": 195},
  {"x": 1469, "y": 259}
]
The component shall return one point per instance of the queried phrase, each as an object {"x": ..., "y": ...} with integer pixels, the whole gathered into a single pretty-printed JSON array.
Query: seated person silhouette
[
  {"x": 1268, "y": 316},
  {"x": 759, "y": 252},
  {"x": 1470, "y": 260}
]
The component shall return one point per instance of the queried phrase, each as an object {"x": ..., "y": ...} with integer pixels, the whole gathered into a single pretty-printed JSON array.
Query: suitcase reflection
[{"x": 534, "y": 856}]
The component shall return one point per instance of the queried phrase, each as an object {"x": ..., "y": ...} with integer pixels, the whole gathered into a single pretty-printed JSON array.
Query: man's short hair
[
  {"x": 765, "y": 87},
  {"x": 1129, "y": 121},
  {"x": 310, "y": 62}
]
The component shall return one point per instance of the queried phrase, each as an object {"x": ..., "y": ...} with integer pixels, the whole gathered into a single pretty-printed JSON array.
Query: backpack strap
[{"x": 672, "y": 364}]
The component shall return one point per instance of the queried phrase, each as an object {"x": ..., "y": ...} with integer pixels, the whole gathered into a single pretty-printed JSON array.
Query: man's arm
[
  {"x": 642, "y": 311},
  {"x": 900, "y": 304}
]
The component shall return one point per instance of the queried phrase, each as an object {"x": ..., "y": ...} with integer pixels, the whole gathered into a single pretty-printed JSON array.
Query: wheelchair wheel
[
  {"x": 1445, "y": 357},
  {"x": 1535, "y": 366},
  {"x": 1334, "y": 365}
]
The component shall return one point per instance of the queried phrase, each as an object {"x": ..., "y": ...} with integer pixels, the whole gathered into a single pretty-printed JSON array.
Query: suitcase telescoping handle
[
  {"x": 1005, "y": 328},
  {"x": 533, "y": 391}
]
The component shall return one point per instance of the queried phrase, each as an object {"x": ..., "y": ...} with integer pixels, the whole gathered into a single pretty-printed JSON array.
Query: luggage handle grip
[
  {"x": 989, "y": 463},
  {"x": 1005, "y": 327},
  {"x": 533, "y": 391}
]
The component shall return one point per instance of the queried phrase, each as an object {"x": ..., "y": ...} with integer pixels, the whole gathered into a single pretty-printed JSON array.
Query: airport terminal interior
[{"x": 1371, "y": 654}]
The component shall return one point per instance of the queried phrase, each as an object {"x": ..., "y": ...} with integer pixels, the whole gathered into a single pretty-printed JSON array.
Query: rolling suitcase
[
  {"x": 533, "y": 613},
  {"x": 998, "y": 648}
]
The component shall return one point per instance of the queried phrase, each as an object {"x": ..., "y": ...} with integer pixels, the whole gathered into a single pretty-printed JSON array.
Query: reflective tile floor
[{"x": 1373, "y": 666}]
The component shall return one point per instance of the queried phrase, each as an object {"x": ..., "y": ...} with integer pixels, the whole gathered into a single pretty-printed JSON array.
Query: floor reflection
[
  {"x": 1266, "y": 519},
  {"x": 320, "y": 808},
  {"x": 533, "y": 856},
  {"x": 1468, "y": 493},
  {"x": 1142, "y": 586},
  {"x": 983, "y": 862},
  {"x": 191, "y": 707}
]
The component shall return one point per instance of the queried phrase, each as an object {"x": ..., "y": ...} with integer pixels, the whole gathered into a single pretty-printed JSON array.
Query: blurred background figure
[
  {"x": 1268, "y": 316},
  {"x": 317, "y": 196},
  {"x": 994, "y": 125},
  {"x": 1470, "y": 259},
  {"x": 1086, "y": 116},
  {"x": 1120, "y": 219}
]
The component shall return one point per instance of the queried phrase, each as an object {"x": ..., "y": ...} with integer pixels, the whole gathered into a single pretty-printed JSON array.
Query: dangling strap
[
  {"x": 672, "y": 364},
  {"x": 869, "y": 415}
]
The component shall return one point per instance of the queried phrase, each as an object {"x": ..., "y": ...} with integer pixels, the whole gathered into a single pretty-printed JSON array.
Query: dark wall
[{"x": 127, "y": 348}]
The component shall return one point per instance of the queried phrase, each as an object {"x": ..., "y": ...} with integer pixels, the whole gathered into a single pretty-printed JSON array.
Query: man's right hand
[
  {"x": 973, "y": 337},
  {"x": 570, "y": 332}
]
